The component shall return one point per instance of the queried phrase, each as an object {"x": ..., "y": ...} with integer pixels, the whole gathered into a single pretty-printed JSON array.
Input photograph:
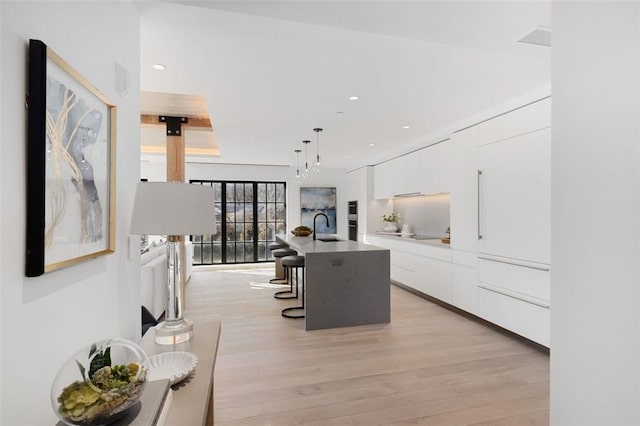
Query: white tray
[{"x": 175, "y": 366}]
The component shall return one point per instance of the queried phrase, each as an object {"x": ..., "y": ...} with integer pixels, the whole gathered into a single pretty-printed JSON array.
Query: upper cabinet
[
  {"x": 526, "y": 119},
  {"x": 383, "y": 180},
  {"x": 425, "y": 171}
]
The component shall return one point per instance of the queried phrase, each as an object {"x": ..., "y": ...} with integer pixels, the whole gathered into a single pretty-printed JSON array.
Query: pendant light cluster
[{"x": 315, "y": 167}]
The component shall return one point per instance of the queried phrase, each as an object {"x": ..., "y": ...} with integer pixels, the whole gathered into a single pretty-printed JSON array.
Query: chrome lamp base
[
  {"x": 174, "y": 329},
  {"x": 174, "y": 332}
]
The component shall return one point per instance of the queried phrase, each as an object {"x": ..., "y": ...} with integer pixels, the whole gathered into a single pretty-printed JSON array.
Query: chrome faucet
[{"x": 314, "y": 222}]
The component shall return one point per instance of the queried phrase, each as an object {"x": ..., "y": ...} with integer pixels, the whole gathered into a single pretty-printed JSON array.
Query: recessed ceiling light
[
  {"x": 158, "y": 67},
  {"x": 348, "y": 157},
  {"x": 372, "y": 144},
  {"x": 339, "y": 112},
  {"x": 406, "y": 127},
  {"x": 354, "y": 98}
]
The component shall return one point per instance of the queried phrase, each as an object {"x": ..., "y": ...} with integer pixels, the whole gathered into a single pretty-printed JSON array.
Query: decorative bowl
[
  {"x": 99, "y": 383},
  {"x": 175, "y": 366},
  {"x": 301, "y": 233}
]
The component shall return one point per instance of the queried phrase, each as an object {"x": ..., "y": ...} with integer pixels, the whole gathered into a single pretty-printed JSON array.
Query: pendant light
[
  {"x": 305, "y": 173},
  {"x": 316, "y": 166},
  {"x": 297, "y": 151}
]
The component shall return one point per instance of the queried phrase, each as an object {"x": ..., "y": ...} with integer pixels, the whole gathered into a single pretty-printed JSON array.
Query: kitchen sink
[{"x": 328, "y": 239}]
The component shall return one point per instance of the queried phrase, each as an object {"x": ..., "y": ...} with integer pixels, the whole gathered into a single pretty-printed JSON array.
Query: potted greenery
[{"x": 390, "y": 222}]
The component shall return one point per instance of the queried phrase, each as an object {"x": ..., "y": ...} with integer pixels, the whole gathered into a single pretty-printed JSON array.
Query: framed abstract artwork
[
  {"x": 314, "y": 200},
  {"x": 71, "y": 164}
]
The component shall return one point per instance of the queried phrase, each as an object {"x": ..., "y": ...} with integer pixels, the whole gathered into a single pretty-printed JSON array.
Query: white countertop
[
  {"x": 309, "y": 245},
  {"x": 435, "y": 242}
]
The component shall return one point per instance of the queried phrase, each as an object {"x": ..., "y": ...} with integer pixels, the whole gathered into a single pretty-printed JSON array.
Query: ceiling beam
[{"x": 194, "y": 122}]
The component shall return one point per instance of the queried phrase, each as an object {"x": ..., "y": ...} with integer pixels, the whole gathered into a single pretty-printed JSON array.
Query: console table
[{"x": 192, "y": 403}]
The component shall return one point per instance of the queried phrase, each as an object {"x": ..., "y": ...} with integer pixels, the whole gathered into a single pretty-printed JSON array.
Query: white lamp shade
[{"x": 172, "y": 208}]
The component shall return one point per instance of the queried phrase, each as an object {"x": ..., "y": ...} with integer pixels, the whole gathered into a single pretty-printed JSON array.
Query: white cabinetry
[
  {"x": 464, "y": 281},
  {"x": 433, "y": 271},
  {"x": 406, "y": 174},
  {"x": 515, "y": 202},
  {"x": 383, "y": 180},
  {"x": 463, "y": 183},
  {"x": 434, "y": 163},
  {"x": 514, "y": 221},
  {"x": 425, "y": 171},
  {"x": 529, "y": 118}
]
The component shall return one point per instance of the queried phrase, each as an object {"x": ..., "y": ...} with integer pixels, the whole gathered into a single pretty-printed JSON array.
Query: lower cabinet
[
  {"x": 522, "y": 317},
  {"x": 514, "y": 297},
  {"x": 464, "y": 281},
  {"x": 402, "y": 267},
  {"x": 433, "y": 273}
]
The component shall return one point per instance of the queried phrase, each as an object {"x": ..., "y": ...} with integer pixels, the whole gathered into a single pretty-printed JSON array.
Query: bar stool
[
  {"x": 278, "y": 271},
  {"x": 278, "y": 254},
  {"x": 289, "y": 263}
]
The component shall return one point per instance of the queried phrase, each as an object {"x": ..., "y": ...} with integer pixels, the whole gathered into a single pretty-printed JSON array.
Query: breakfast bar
[{"x": 347, "y": 282}]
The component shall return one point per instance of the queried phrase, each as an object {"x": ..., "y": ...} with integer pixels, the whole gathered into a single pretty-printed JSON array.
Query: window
[{"x": 248, "y": 217}]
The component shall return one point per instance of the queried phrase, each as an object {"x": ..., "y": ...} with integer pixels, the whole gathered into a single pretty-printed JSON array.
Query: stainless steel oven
[{"x": 353, "y": 220}]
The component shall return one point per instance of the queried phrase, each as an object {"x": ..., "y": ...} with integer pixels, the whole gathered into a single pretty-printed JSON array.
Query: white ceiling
[{"x": 271, "y": 71}]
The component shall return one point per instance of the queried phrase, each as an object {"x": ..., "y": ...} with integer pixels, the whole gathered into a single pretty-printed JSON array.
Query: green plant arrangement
[
  {"x": 393, "y": 217},
  {"x": 105, "y": 390}
]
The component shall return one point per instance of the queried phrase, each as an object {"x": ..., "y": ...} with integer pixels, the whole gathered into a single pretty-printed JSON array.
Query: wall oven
[{"x": 353, "y": 220}]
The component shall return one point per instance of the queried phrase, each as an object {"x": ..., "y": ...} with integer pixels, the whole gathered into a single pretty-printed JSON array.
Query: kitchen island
[{"x": 347, "y": 282}]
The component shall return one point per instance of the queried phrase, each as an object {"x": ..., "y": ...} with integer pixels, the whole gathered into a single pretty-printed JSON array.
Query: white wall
[
  {"x": 427, "y": 215},
  {"x": 595, "y": 360},
  {"x": 1, "y": 221},
  {"x": 46, "y": 319},
  {"x": 156, "y": 171}
]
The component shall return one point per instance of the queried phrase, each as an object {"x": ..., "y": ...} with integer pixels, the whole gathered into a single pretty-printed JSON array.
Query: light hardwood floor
[{"x": 430, "y": 366}]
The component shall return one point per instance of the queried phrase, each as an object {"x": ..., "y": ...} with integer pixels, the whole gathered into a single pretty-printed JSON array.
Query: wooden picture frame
[{"x": 71, "y": 166}]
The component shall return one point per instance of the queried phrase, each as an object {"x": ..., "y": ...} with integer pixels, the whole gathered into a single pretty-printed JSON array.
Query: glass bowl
[{"x": 99, "y": 383}]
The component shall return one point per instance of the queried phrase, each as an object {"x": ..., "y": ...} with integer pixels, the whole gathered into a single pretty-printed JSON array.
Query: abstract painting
[
  {"x": 318, "y": 200},
  {"x": 70, "y": 166}
]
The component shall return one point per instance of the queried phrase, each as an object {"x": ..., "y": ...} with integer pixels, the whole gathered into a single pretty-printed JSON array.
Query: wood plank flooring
[{"x": 430, "y": 366}]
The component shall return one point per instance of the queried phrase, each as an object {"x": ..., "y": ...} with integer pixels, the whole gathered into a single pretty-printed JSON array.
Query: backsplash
[{"x": 425, "y": 214}]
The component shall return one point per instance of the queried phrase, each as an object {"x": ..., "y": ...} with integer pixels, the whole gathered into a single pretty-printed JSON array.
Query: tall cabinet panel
[
  {"x": 515, "y": 215},
  {"x": 463, "y": 184},
  {"x": 514, "y": 197}
]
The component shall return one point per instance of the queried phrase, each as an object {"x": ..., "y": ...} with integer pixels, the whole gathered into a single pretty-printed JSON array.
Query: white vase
[{"x": 390, "y": 227}]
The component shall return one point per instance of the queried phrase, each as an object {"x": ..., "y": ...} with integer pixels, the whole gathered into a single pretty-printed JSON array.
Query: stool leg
[
  {"x": 285, "y": 312},
  {"x": 287, "y": 294},
  {"x": 279, "y": 280}
]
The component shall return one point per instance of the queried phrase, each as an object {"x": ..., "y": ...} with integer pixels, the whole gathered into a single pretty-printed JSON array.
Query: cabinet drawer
[
  {"x": 464, "y": 286},
  {"x": 519, "y": 280},
  {"x": 525, "y": 319},
  {"x": 523, "y": 120},
  {"x": 399, "y": 244},
  {"x": 402, "y": 275},
  {"x": 464, "y": 258},
  {"x": 402, "y": 259},
  {"x": 375, "y": 241},
  {"x": 440, "y": 253}
]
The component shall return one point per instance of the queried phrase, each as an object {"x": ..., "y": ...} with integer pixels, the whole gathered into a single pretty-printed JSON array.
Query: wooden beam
[
  {"x": 153, "y": 120},
  {"x": 175, "y": 173}
]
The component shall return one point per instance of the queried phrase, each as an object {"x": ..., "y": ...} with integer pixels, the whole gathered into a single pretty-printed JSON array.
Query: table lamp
[{"x": 173, "y": 209}]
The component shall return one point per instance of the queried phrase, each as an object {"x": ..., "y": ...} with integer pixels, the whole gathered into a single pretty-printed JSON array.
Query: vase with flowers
[{"x": 390, "y": 222}]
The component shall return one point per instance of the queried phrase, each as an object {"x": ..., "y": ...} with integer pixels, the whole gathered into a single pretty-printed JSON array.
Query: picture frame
[
  {"x": 71, "y": 166},
  {"x": 314, "y": 200}
]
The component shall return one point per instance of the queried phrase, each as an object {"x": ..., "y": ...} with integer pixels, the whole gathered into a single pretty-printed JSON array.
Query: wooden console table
[{"x": 192, "y": 403}]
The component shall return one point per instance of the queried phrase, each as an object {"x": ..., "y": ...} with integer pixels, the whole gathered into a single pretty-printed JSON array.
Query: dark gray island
[{"x": 347, "y": 282}]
